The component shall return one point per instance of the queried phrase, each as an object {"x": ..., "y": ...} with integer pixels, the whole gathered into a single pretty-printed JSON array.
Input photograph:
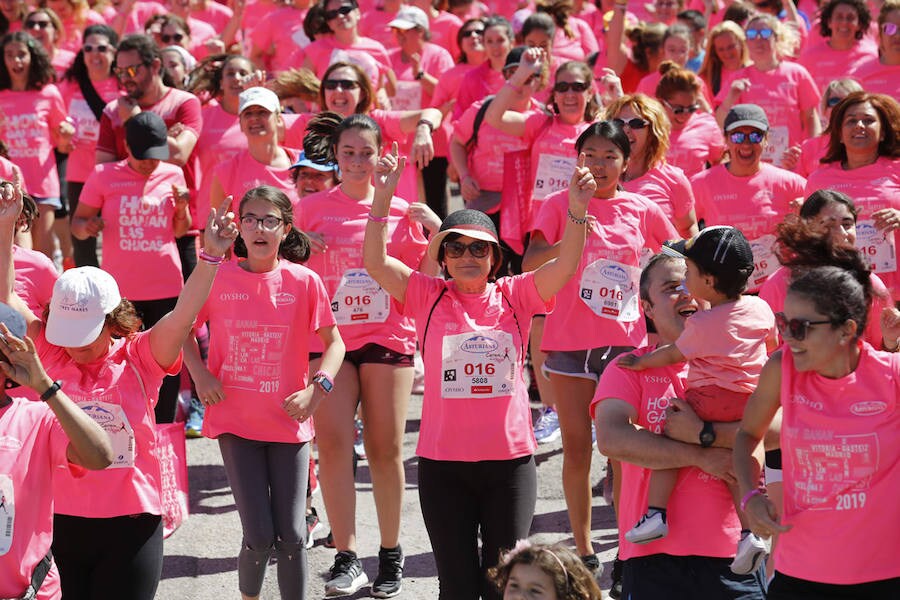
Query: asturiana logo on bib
[
  {"x": 614, "y": 273},
  {"x": 357, "y": 279},
  {"x": 868, "y": 408},
  {"x": 479, "y": 345},
  {"x": 865, "y": 230},
  {"x": 100, "y": 415}
]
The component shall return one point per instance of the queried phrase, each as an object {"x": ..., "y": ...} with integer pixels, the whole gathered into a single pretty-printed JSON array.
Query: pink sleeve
[
  {"x": 421, "y": 291},
  {"x": 807, "y": 92},
  {"x": 57, "y": 107},
  {"x": 588, "y": 40},
  {"x": 92, "y": 192},
  {"x": 389, "y": 121},
  {"x": 694, "y": 340},
  {"x": 139, "y": 349},
  {"x": 261, "y": 36},
  {"x": 698, "y": 188},
  {"x": 682, "y": 193},
  {"x": 462, "y": 127},
  {"x": 524, "y": 294},
  {"x": 619, "y": 383},
  {"x": 658, "y": 228},
  {"x": 320, "y": 314},
  {"x": 549, "y": 221},
  {"x": 189, "y": 115}
]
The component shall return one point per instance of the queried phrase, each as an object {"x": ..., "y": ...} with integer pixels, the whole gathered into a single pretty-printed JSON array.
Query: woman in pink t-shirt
[
  {"x": 44, "y": 25},
  {"x": 87, "y": 87},
  {"x": 33, "y": 124},
  {"x": 12, "y": 15},
  {"x": 726, "y": 52},
  {"x": 837, "y": 398},
  {"x": 75, "y": 15},
  {"x": 259, "y": 390},
  {"x": 597, "y": 316},
  {"x": 695, "y": 141},
  {"x": 647, "y": 173},
  {"x": 476, "y": 465},
  {"x": 377, "y": 373},
  {"x": 843, "y": 51},
  {"x": 107, "y": 528},
  {"x": 487, "y": 78},
  {"x": 882, "y": 75}
]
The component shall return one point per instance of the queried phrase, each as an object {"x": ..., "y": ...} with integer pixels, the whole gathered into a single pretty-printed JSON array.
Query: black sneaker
[
  {"x": 592, "y": 562},
  {"x": 390, "y": 573},
  {"x": 615, "y": 590},
  {"x": 346, "y": 575}
]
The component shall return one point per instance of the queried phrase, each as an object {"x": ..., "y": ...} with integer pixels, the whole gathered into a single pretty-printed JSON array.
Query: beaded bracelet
[
  {"x": 574, "y": 219},
  {"x": 210, "y": 259},
  {"x": 375, "y": 219},
  {"x": 749, "y": 495},
  {"x": 427, "y": 123}
]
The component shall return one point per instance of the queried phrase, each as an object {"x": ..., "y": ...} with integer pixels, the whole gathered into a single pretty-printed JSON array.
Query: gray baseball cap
[{"x": 746, "y": 115}]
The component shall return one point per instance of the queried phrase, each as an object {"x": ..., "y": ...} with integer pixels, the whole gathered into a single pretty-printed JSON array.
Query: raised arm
[
  {"x": 550, "y": 277},
  {"x": 391, "y": 274},
  {"x": 616, "y": 51},
  {"x": 498, "y": 114},
  {"x": 168, "y": 335}
]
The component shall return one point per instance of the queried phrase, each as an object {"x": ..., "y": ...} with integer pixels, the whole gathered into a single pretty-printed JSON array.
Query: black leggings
[
  {"x": 434, "y": 178},
  {"x": 150, "y": 312},
  {"x": 785, "y": 587},
  {"x": 83, "y": 251},
  {"x": 114, "y": 558},
  {"x": 458, "y": 499}
]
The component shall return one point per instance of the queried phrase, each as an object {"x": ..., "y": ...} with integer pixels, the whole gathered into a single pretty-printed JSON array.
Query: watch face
[{"x": 324, "y": 384}]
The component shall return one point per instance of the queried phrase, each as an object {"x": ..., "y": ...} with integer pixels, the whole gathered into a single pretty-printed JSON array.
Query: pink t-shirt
[
  {"x": 444, "y": 29},
  {"x": 139, "y": 248},
  {"x": 142, "y": 11},
  {"x": 35, "y": 276},
  {"x": 242, "y": 172},
  {"x": 279, "y": 34},
  {"x": 369, "y": 55},
  {"x": 879, "y": 78},
  {"x": 214, "y": 13},
  {"x": 826, "y": 64},
  {"x": 702, "y": 521},
  {"x": 872, "y": 188},
  {"x": 699, "y": 142},
  {"x": 389, "y": 122},
  {"x": 118, "y": 391},
  {"x": 754, "y": 204},
  {"x": 374, "y": 25},
  {"x": 476, "y": 400},
  {"x": 668, "y": 187},
  {"x": 259, "y": 333},
  {"x": 72, "y": 31},
  {"x": 445, "y": 91},
  {"x": 295, "y": 128},
  {"x": 26, "y": 122},
  {"x": 726, "y": 345},
  {"x": 553, "y": 154},
  {"x": 362, "y": 309},
  {"x": 582, "y": 44},
  {"x": 486, "y": 159},
  {"x": 784, "y": 93},
  {"x": 475, "y": 85},
  {"x": 32, "y": 455},
  {"x": 254, "y": 12},
  {"x": 61, "y": 61},
  {"x": 87, "y": 126},
  {"x": 841, "y": 459},
  {"x": 220, "y": 140},
  {"x": 201, "y": 32},
  {"x": 811, "y": 153},
  {"x": 411, "y": 95},
  {"x": 774, "y": 291},
  {"x": 600, "y": 305}
]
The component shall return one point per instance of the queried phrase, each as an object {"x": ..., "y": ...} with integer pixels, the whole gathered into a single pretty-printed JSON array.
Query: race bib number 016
[
  {"x": 359, "y": 299},
  {"x": 478, "y": 364},
  {"x": 877, "y": 248},
  {"x": 553, "y": 174},
  {"x": 610, "y": 290}
]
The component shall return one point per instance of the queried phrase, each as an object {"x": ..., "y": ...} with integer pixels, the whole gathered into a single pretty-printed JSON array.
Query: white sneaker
[
  {"x": 546, "y": 429},
  {"x": 651, "y": 527},
  {"x": 751, "y": 551}
]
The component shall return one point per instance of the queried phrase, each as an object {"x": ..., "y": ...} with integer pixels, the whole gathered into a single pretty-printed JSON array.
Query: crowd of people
[{"x": 679, "y": 235}]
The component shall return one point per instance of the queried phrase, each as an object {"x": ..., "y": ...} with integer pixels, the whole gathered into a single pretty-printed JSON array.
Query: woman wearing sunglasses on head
[
  {"x": 645, "y": 123},
  {"x": 785, "y": 90},
  {"x": 837, "y": 400},
  {"x": 882, "y": 75},
  {"x": 476, "y": 466},
  {"x": 745, "y": 192},
  {"x": 695, "y": 141}
]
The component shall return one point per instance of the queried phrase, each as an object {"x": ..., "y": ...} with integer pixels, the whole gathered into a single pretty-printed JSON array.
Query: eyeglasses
[
  {"x": 635, "y": 123},
  {"x": 101, "y": 48},
  {"x": 765, "y": 34},
  {"x": 471, "y": 33},
  {"x": 130, "y": 71},
  {"x": 833, "y": 101},
  {"x": 561, "y": 87},
  {"x": 795, "y": 328},
  {"x": 37, "y": 24},
  {"x": 478, "y": 249},
  {"x": 889, "y": 29},
  {"x": 739, "y": 137},
  {"x": 169, "y": 38},
  {"x": 344, "y": 84},
  {"x": 269, "y": 222},
  {"x": 679, "y": 110},
  {"x": 346, "y": 9}
]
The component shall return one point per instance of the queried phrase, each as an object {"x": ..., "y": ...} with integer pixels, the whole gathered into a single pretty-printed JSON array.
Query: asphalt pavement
[{"x": 201, "y": 557}]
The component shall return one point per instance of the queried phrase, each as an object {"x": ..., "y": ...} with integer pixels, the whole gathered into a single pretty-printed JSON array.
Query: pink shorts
[{"x": 712, "y": 403}]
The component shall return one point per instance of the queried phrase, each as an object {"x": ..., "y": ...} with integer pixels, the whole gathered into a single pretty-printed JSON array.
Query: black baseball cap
[
  {"x": 147, "y": 136},
  {"x": 720, "y": 250}
]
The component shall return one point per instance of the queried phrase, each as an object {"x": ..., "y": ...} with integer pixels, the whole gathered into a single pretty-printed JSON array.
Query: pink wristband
[
  {"x": 383, "y": 219},
  {"x": 210, "y": 259},
  {"x": 750, "y": 494}
]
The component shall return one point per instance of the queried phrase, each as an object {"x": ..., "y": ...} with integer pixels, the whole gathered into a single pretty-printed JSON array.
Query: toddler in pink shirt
[{"x": 726, "y": 347}]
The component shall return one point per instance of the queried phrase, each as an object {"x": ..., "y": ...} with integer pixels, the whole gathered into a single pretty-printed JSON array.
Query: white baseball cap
[
  {"x": 259, "y": 96},
  {"x": 410, "y": 17},
  {"x": 81, "y": 300}
]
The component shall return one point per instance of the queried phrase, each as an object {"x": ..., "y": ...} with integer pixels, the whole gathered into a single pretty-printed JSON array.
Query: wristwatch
[
  {"x": 707, "y": 435},
  {"x": 324, "y": 381},
  {"x": 420, "y": 75}
]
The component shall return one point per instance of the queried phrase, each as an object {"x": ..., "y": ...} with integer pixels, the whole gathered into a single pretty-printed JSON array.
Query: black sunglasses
[
  {"x": 478, "y": 249},
  {"x": 562, "y": 87},
  {"x": 796, "y": 328},
  {"x": 635, "y": 123},
  {"x": 739, "y": 137},
  {"x": 471, "y": 33},
  {"x": 337, "y": 12},
  {"x": 175, "y": 37},
  {"x": 344, "y": 84},
  {"x": 100, "y": 48},
  {"x": 680, "y": 110},
  {"x": 37, "y": 24}
]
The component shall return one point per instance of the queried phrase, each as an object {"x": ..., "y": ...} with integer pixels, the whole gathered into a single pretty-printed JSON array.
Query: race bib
[
  {"x": 764, "y": 260},
  {"x": 610, "y": 289},
  {"x": 478, "y": 364},
  {"x": 407, "y": 96},
  {"x": 111, "y": 417},
  {"x": 7, "y": 513},
  {"x": 553, "y": 174},
  {"x": 778, "y": 143},
  {"x": 877, "y": 248},
  {"x": 359, "y": 299},
  {"x": 87, "y": 127}
]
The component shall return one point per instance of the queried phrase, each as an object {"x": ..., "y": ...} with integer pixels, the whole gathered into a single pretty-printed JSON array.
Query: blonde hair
[
  {"x": 652, "y": 111},
  {"x": 300, "y": 83},
  {"x": 711, "y": 69}
]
